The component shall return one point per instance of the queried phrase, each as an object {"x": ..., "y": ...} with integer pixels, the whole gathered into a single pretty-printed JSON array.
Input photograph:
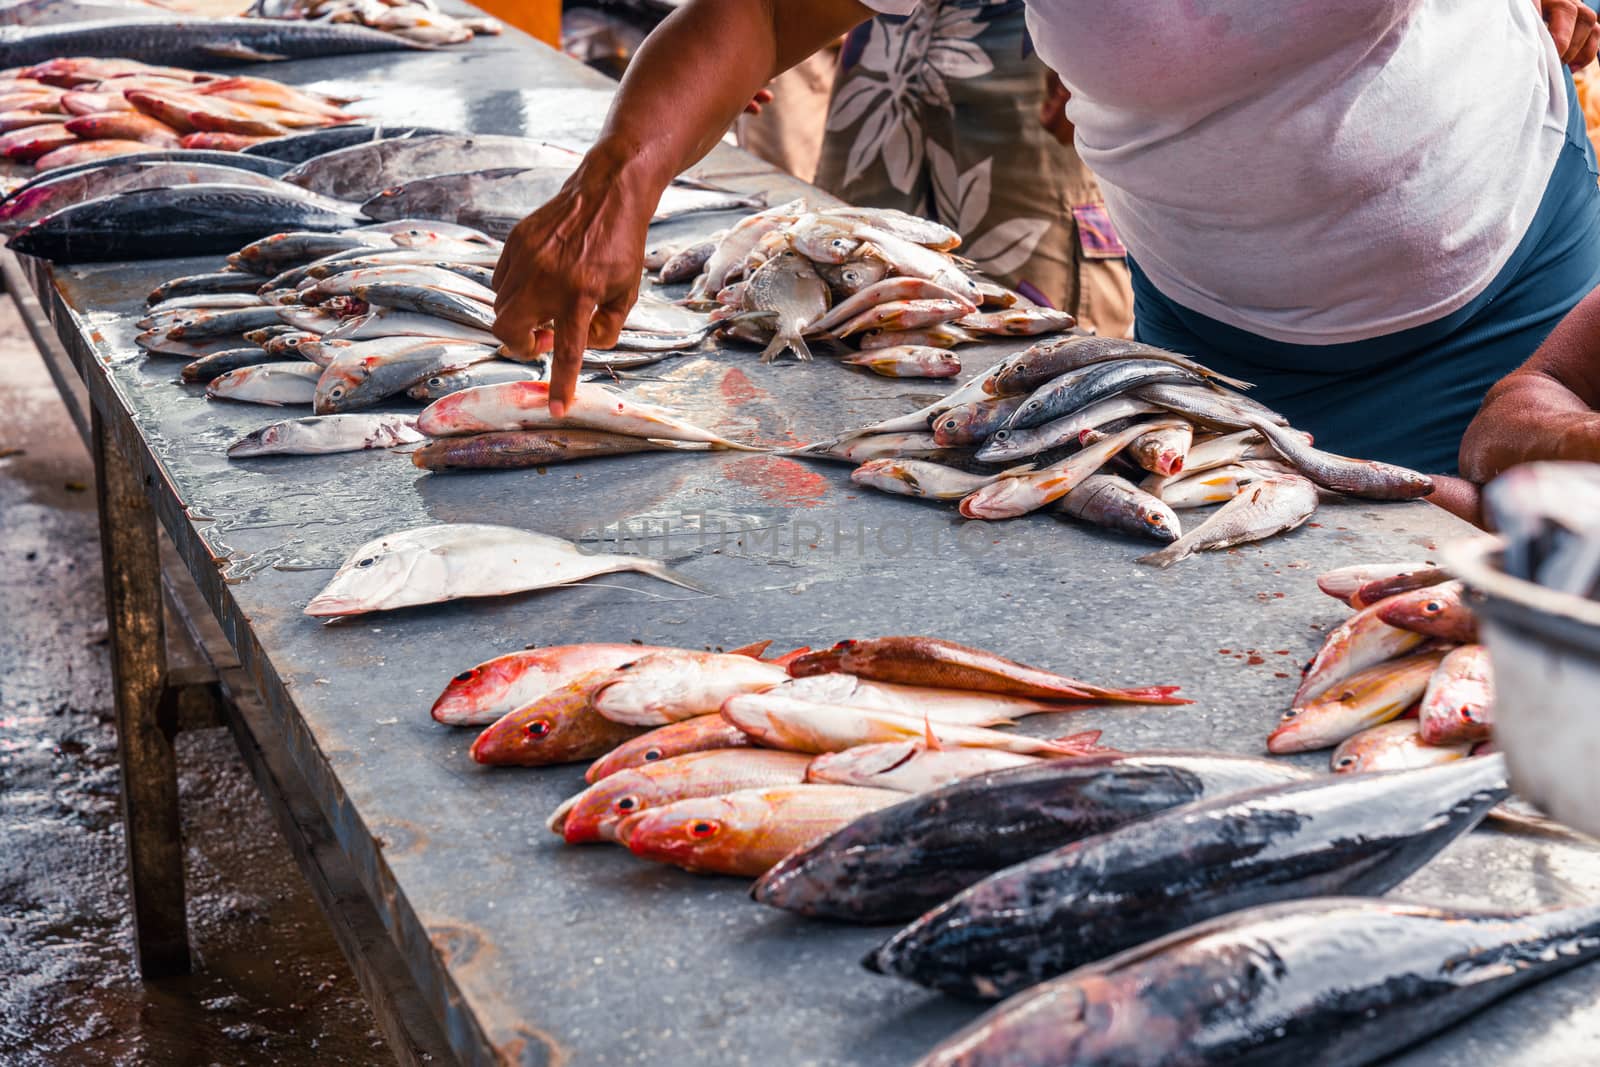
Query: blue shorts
[{"x": 1407, "y": 397}]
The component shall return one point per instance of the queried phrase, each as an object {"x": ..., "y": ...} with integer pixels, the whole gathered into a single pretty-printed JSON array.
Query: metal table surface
[{"x": 531, "y": 952}]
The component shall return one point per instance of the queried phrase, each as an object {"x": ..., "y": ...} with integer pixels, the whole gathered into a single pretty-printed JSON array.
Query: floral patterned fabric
[{"x": 937, "y": 113}]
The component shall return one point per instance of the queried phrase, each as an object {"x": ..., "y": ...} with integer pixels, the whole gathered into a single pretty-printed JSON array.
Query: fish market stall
[{"x": 526, "y": 951}]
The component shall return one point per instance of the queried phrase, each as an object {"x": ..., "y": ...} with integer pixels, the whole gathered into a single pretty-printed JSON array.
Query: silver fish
[
  {"x": 1218, "y": 485},
  {"x": 322, "y": 434},
  {"x": 1116, "y": 504},
  {"x": 361, "y": 171},
  {"x": 366, "y": 374},
  {"x": 270, "y": 383},
  {"x": 790, "y": 290},
  {"x": 195, "y": 42},
  {"x": 489, "y": 373},
  {"x": 427, "y": 300},
  {"x": 920, "y": 478},
  {"x": 1051, "y": 358},
  {"x": 1357, "y": 477},
  {"x": 1076, "y": 390},
  {"x": 1270, "y": 506},
  {"x": 392, "y": 322},
  {"x": 344, "y": 283},
  {"x": 1205, "y": 405},
  {"x": 433, "y": 564},
  {"x": 1007, "y": 445},
  {"x": 861, "y": 449}
]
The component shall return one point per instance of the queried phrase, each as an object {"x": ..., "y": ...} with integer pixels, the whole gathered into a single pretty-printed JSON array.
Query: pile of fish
[
  {"x": 63, "y": 112},
  {"x": 1401, "y": 683},
  {"x": 1068, "y": 423},
  {"x": 866, "y": 784},
  {"x": 879, "y": 279},
  {"x": 345, "y": 320},
  {"x": 1548, "y": 517},
  {"x": 416, "y": 20},
  {"x": 784, "y": 749}
]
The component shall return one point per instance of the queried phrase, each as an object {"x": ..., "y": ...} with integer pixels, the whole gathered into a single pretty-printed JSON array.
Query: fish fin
[
  {"x": 242, "y": 52},
  {"x": 789, "y": 657},
  {"x": 1237, "y": 383},
  {"x": 734, "y": 446},
  {"x": 1083, "y": 741},
  {"x": 680, "y": 446},
  {"x": 754, "y": 651},
  {"x": 558, "y": 818},
  {"x": 1022, "y": 468},
  {"x": 1167, "y": 556},
  {"x": 927, "y": 730},
  {"x": 656, "y": 569}
]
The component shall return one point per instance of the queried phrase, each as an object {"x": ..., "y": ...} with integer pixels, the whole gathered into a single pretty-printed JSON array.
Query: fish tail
[
  {"x": 656, "y": 569},
  {"x": 734, "y": 446},
  {"x": 1149, "y": 694},
  {"x": 1167, "y": 556},
  {"x": 1237, "y": 383}
]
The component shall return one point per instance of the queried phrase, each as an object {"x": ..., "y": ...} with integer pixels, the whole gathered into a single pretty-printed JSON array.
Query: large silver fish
[
  {"x": 363, "y": 170},
  {"x": 432, "y": 564},
  {"x": 185, "y": 220},
  {"x": 320, "y": 434},
  {"x": 1334, "y": 981},
  {"x": 195, "y": 42}
]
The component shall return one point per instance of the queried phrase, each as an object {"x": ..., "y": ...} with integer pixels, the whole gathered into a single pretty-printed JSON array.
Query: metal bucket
[{"x": 1545, "y": 648}]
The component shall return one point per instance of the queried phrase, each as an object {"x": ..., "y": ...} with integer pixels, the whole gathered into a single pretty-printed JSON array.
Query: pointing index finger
[{"x": 572, "y": 333}]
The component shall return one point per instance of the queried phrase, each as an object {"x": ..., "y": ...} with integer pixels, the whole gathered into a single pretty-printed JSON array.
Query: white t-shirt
[{"x": 1314, "y": 171}]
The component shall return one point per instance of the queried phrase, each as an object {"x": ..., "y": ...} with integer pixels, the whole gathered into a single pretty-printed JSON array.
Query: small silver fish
[
  {"x": 790, "y": 290},
  {"x": 1114, "y": 503},
  {"x": 1271, "y": 506}
]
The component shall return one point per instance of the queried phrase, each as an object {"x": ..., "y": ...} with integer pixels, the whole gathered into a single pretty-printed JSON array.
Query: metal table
[{"x": 513, "y": 948}]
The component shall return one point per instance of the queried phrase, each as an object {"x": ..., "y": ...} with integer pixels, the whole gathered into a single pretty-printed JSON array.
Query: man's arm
[
  {"x": 570, "y": 271},
  {"x": 1545, "y": 409}
]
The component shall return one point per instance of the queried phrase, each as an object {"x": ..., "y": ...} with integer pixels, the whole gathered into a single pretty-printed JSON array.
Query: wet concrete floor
[{"x": 270, "y": 986}]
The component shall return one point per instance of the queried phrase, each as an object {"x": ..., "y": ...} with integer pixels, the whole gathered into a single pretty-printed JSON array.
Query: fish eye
[
  {"x": 369, "y": 561},
  {"x": 1291, "y": 713},
  {"x": 627, "y": 803},
  {"x": 538, "y": 729},
  {"x": 434, "y": 383},
  {"x": 1433, "y": 607},
  {"x": 702, "y": 829},
  {"x": 1158, "y": 520},
  {"x": 1344, "y": 761},
  {"x": 1001, "y": 435},
  {"x": 651, "y": 755},
  {"x": 336, "y": 392},
  {"x": 467, "y": 676},
  {"x": 1466, "y": 713}
]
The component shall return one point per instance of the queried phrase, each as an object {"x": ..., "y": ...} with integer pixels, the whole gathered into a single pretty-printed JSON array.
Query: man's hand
[
  {"x": 1572, "y": 27},
  {"x": 1528, "y": 415},
  {"x": 1545, "y": 409},
  {"x": 570, "y": 271},
  {"x": 1053, "y": 109}
]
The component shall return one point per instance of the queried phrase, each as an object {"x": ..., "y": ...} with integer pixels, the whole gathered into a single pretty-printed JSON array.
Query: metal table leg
[{"x": 146, "y": 720}]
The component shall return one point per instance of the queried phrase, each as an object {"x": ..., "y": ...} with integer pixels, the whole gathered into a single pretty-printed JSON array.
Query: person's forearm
[
  {"x": 1545, "y": 408},
  {"x": 696, "y": 72}
]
